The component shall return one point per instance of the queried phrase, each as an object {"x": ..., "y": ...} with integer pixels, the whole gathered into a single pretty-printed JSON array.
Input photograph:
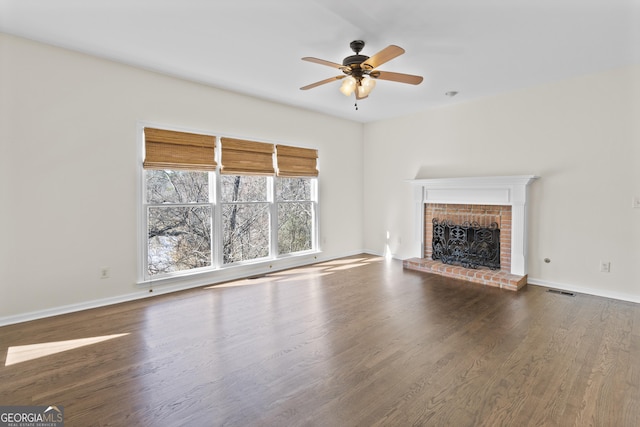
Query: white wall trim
[
  {"x": 584, "y": 290},
  {"x": 232, "y": 271},
  {"x": 72, "y": 308},
  {"x": 174, "y": 285},
  {"x": 563, "y": 286}
]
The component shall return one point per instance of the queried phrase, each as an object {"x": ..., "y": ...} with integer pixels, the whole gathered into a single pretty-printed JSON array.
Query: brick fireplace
[{"x": 480, "y": 200}]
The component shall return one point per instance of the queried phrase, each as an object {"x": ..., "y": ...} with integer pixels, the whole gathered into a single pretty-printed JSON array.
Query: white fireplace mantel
[{"x": 486, "y": 190}]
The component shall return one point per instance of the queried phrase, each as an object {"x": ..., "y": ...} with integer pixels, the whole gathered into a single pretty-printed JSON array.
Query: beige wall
[
  {"x": 581, "y": 136},
  {"x": 69, "y": 162},
  {"x": 69, "y": 159}
]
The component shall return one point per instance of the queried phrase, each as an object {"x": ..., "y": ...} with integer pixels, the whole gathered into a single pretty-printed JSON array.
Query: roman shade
[
  {"x": 241, "y": 157},
  {"x": 167, "y": 149},
  {"x": 296, "y": 162}
]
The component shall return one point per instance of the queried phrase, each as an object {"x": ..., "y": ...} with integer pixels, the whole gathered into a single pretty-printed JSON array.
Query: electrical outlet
[
  {"x": 636, "y": 202},
  {"x": 605, "y": 266},
  {"x": 104, "y": 273}
]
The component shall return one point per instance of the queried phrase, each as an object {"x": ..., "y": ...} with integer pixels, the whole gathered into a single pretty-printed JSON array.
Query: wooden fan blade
[
  {"x": 322, "y": 82},
  {"x": 323, "y": 62},
  {"x": 385, "y": 55},
  {"x": 397, "y": 77}
]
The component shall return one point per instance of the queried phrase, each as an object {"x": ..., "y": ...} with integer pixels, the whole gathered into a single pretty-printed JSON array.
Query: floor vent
[{"x": 557, "y": 291}]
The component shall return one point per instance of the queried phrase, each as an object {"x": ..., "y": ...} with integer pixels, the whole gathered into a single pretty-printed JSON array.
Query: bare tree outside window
[
  {"x": 179, "y": 219},
  {"x": 180, "y": 215},
  {"x": 179, "y": 238},
  {"x": 246, "y": 229},
  {"x": 295, "y": 215}
]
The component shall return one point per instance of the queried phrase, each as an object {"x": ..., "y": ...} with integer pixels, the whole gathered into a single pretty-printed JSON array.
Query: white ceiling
[{"x": 476, "y": 47}]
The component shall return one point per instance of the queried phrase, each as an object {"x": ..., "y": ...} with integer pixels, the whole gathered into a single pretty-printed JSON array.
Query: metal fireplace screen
[{"x": 467, "y": 244}]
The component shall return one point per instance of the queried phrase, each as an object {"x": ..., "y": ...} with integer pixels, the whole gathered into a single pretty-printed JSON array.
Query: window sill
[{"x": 226, "y": 273}]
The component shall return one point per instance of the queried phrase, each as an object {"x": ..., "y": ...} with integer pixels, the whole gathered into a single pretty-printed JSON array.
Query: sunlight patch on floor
[
  {"x": 308, "y": 276},
  {"x": 347, "y": 266},
  {"x": 23, "y": 353},
  {"x": 244, "y": 282},
  {"x": 343, "y": 261},
  {"x": 300, "y": 273}
]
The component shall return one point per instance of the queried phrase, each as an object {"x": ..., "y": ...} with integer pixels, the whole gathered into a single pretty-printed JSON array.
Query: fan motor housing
[{"x": 354, "y": 60}]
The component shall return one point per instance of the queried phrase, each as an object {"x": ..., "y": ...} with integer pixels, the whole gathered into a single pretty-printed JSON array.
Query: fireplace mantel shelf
[
  {"x": 475, "y": 181},
  {"x": 490, "y": 190},
  {"x": 485, "y": 190}
]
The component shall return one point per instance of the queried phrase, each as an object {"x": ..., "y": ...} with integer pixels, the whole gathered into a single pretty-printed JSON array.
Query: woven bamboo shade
[
  {"x": 240, "y": 157},
  {"x": 296, "y": 161},
  {"x": 166, "y": 149}
]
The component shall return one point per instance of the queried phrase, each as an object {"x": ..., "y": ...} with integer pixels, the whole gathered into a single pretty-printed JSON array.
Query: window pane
[
  {"x": 169, "y": 186},
  {"x": 236, "y": 188},
  {"x": 293, "y": 189},
  {"x": 246, "y": 231},
  {"x": 179, "y": 238},
  {"x": 295, "y": 227}
]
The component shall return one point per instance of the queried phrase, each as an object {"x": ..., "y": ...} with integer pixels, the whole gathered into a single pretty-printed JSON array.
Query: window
[
  {"x": 203, "y": 215},
  {"x": 179, "y": 220},
  {"x": 296, "y": 212},
  {"x": 245, "y": 218}
]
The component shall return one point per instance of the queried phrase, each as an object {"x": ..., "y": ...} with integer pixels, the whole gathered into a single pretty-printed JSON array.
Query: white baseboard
[
  {"x": 161, "y": 287},
  {"x": 584, "y": 290},
  {"x": 71, "y": 308},
  {"x": 374, "y": 253}
]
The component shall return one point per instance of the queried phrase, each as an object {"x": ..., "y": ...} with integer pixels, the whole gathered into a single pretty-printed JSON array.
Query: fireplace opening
[
  {"x": 467, "y": 244},
  {"x": 472, "y": 215}
]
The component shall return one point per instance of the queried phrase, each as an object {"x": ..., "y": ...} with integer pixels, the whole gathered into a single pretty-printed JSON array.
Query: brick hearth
[
  {"x": 483, "y": 276},
  {"x": 484, "y": 215}
]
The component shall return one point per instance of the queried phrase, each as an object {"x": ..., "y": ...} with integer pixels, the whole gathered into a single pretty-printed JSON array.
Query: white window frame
[
  {"x": 269, "y": 201},
  {"x": 215, "y": 204},
  {"x": 314, "y": 218}
]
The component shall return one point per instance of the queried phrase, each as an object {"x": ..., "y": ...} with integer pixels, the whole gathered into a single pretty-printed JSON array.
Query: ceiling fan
[{"x": 360, "y": 71}]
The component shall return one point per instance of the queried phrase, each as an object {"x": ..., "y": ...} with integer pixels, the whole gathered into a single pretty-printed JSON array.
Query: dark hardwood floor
[{"x": 354, "y": 342}]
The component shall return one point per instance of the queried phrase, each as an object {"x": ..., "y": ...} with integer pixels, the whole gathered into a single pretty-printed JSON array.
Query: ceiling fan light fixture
[
  {"x": 348, "y": 86},
  {"x": 365, "y": 86}
]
